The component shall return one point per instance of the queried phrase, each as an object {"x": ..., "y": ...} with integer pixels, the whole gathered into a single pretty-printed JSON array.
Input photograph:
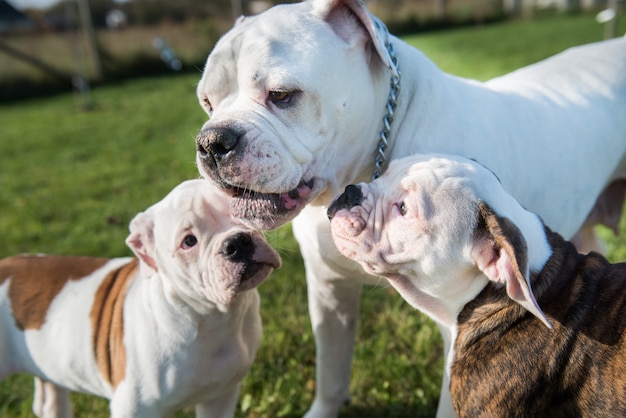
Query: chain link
[{"x": 392, "y": 102}]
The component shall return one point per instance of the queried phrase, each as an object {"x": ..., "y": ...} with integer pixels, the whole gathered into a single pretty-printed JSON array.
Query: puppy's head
[
  {"x": 286, "y": 93},
  {"x": 203, "y": 255},
  {"x": 443, "y": 224}
]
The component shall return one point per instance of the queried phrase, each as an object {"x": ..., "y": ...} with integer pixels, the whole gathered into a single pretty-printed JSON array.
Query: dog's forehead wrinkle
[
  {"x": 263, "y": 69},
  {"x": 277, "y": 28},
  {"x": 279, "y": 51}
]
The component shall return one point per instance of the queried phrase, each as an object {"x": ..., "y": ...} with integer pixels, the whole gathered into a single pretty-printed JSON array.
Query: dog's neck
[
  {"x": 563, "y": 260},
  {"x": 414, "y": 96},
  {"x": 380, "y": 162},
  {"x": 183, "y": 317},
  {"x": 369, "y": 166},
  {"x": 443, "y": 303},
  {"x": 492, "y": 308}
]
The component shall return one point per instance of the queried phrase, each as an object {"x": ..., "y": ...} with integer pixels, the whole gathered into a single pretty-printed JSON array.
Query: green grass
[
  {"x": 70, "y": 182},
  {"x": 488, "y": 51}
]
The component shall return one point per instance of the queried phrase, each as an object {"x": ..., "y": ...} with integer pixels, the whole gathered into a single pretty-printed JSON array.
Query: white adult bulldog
[
  {"x": 178, "y": 325},
  {"x": 302, "y": 97}
]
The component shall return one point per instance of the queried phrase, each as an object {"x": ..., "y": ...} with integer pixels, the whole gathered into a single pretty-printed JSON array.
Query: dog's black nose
[
  {"x": 238, "y": 247},
  {"x": 351, "y": 197},
  {"x": 217, "y": 142}
]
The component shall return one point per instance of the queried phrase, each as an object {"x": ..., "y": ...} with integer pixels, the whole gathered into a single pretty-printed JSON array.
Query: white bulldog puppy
[
  {"x": 537, "y": 328},
  {"x": 178, "y": 325}
]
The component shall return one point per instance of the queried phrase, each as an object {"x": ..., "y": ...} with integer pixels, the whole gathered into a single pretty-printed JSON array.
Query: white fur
[
  {"x": 191, "y": 331},
  {"x": 554, "y": 133},
  {"x": 430, "y": 254}
]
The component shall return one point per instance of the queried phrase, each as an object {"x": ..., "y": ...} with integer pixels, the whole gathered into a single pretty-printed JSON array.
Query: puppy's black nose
[
  {"x": 238, "y": 247},
  {"x": 351, "y": 197},
  {"x": 217, "y": 142}
]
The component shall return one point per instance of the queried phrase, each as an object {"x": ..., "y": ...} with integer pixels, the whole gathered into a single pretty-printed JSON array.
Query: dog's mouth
[
  {"x": 243, "y": 261},
  {"x": 254, "y": 274},
  {"x": 268, "y": 210},
  {"x": 254, "y": 271}
]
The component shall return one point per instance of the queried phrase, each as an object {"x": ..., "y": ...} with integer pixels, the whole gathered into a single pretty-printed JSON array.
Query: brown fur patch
[
  {"x": 37, "y": 280},
  {"x": 508, "y": 364},
  {"x": 107, "y": 318}
]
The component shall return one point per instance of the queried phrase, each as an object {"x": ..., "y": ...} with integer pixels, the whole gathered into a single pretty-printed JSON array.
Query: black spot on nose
[
  {"x": 238, "y": 247},
  {"x": 352, "y": 196}
]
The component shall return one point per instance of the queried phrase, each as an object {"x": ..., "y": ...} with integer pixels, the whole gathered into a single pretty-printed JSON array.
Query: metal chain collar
[{"x": 392, "y": 102}]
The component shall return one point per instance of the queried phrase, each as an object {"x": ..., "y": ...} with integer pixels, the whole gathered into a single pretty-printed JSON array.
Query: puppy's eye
[
  {"x": 189, "y": 241},
  {"x": 207, "y": 104},
  {"x": 279, "y": 96},
  {"x": 402, "y": 208}
]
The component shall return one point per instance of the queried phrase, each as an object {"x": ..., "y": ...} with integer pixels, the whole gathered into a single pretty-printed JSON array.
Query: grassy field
[{"x": 71, "y": 181}]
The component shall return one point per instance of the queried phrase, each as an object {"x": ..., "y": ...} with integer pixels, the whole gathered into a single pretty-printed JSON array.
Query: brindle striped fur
[{"x": 509, "y": 364}]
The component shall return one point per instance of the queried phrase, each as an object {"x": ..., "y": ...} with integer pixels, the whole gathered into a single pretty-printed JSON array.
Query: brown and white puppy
[
  {"x": 177, "y": 326},
  {"x": 538, "y": 329}
]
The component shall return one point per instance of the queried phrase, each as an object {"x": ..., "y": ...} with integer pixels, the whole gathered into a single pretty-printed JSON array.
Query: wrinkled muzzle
[{"x": 225, "y": 157}]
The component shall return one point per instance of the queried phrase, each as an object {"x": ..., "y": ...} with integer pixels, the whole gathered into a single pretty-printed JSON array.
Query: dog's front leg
[
  {"x": 51, "y": 400},
  {"x": 333, "y": 308},
  {"x": 221, "y": 407},
  {"x": 334, "y": 293},
  {"x": 445, "y": 408}
]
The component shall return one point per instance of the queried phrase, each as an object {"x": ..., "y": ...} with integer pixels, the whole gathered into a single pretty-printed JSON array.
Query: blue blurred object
[{"x": 167, "y": 54}]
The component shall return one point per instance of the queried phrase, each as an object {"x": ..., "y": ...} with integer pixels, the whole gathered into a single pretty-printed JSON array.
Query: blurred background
[{"x": 54, "y": 45}]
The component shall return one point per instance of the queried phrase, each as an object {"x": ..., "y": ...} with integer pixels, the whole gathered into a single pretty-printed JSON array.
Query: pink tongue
[{"x": 290, "y": 200}]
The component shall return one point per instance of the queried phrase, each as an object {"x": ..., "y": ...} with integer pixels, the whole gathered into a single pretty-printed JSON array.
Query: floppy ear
[
  {"x": 501, "y": 253},
  {"x": 331, "y": 10},
  {"x": 141, "y": 241}
]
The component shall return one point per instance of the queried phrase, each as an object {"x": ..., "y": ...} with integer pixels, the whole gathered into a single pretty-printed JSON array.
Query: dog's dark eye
[
  {"x": 402, "y": 208},
  {"x": 207, "y": 104},
  {"x": 279, "y": 96},
  {"x": 189, "y": 241}
]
